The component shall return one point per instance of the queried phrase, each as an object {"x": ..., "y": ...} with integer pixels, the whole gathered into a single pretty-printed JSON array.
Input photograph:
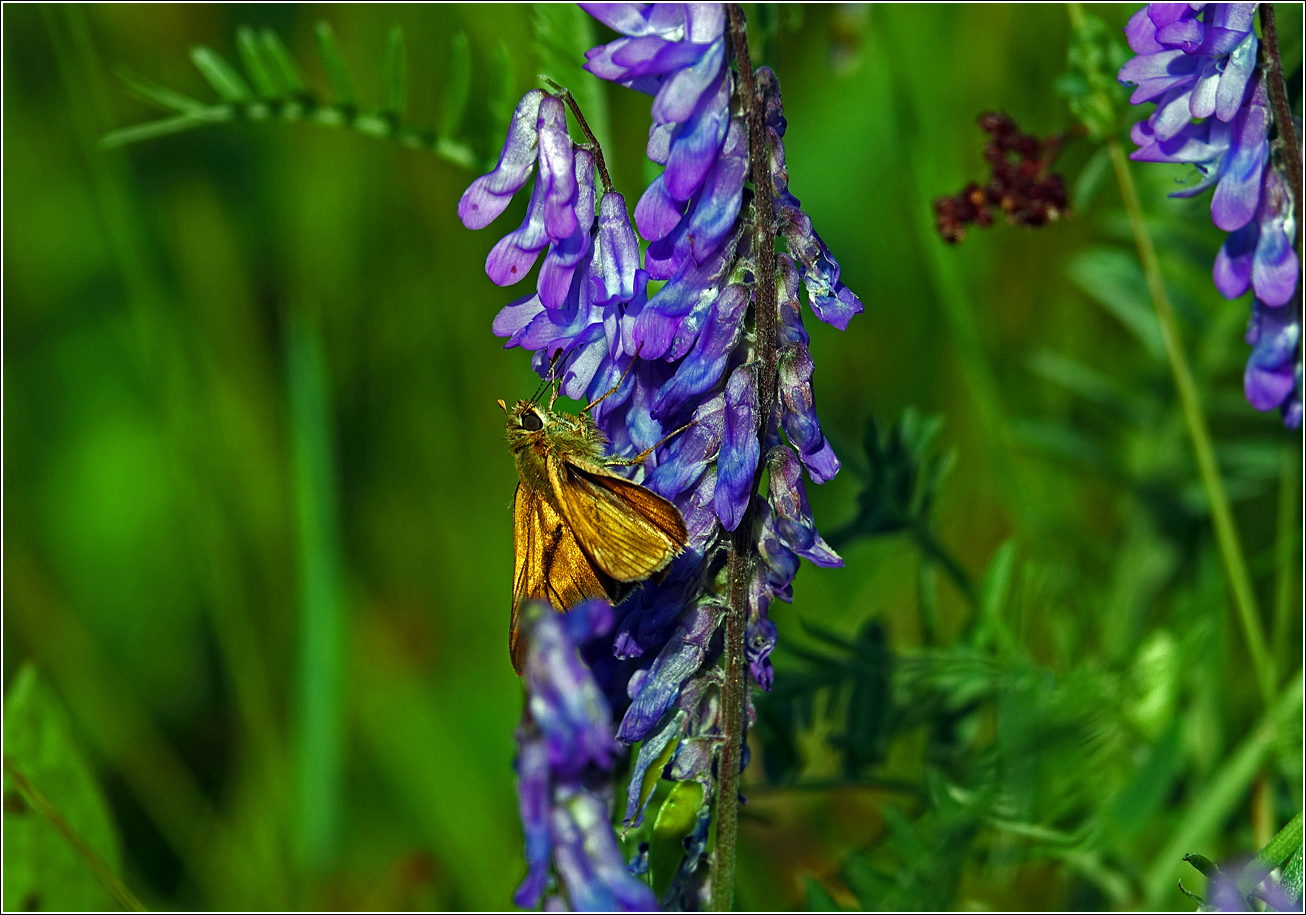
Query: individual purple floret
[
  {"x": 1197, "y": 62},
  {"x": 566, "y": 752},
  {"x": 1273, "y": 379},
  {"x": 1260, "y": 255}
]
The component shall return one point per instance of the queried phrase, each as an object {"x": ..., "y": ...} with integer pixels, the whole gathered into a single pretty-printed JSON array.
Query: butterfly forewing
[
  {"x": 548, "y": 563},
  {"x": 630, "y": 532}
]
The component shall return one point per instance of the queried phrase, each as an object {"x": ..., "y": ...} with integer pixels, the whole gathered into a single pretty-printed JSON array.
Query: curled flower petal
[
  {"x": 512, "y": 256},
  {"x": 565, "y": 702},
  {"x": 618, "y": 252},
  {"x": 489, "y": 194},
  {"x": 557, "y": 170}
]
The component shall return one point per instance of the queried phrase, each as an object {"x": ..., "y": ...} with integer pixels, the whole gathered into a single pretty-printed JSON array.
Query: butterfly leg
[
  {"x": 616, "y": 387},
  {"x": 643, "y": 455}
]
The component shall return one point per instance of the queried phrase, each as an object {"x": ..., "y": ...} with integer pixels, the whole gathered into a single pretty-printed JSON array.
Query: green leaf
[
  {"x": 1291, "y": 880},
  {"x": 1204, "y": 864},
  {"x": 42, "y": 869},
  {"x": 997, "y": 581},
  {"x": 251, "y": 56},
  {"x": 563, "y": 33},
  {"x": 676, "y": 819},
  {"x": 457, "y": 86},
  {"x": 334, "y": 63},
  {"x": 1278, "y": 850},
  {"x": 281, "y": 66},
  {"x": 1115, "y": 280},
  {"x": 396, "y": 74},
  {"x": 154, "y": 129},
  {"x": 153, "y": 93},
  {"x": 221, "y": 75}
]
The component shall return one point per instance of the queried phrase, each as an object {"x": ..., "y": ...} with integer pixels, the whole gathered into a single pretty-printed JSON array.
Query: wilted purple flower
[{"x": 1198, "y": 63}]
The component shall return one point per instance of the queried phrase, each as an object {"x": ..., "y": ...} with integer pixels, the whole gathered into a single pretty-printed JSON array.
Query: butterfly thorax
[{"x": 537, "y": 434}]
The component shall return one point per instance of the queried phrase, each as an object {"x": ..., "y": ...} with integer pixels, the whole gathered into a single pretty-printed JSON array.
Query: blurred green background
[{"x": 257, "y": 544}]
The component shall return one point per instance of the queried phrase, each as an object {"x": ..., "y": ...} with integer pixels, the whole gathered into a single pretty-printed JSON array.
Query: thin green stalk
[
  {"x": 1287, "y": 558},
  {"x": 117, "y": 889},
  {"x": 1226, "y": 534}
]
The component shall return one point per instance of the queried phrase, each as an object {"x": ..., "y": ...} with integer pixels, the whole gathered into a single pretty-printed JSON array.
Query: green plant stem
[
  {"x": 1226, "y": 534},
  {"x": 117, "y": 889},
  {"x": 1278, "y": 850},
  {"x": 1220, "y": 795},
  {"x": 1287, "y": 560},
  {"x": 1273, "y": 66}
]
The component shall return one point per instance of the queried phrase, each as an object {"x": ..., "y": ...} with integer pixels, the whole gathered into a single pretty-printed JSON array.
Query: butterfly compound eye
[{"x": 531, "y": 422}]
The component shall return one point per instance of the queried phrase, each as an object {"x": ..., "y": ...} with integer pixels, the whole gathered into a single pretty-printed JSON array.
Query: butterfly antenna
[{"x": 549, "y": 377}]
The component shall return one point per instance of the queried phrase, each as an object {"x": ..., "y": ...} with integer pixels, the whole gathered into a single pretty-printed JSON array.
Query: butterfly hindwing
[{"x": 629, "y": 531}]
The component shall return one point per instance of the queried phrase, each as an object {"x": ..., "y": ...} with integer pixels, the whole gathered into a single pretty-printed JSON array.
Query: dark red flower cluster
[{"x": 1019, "y": 186}]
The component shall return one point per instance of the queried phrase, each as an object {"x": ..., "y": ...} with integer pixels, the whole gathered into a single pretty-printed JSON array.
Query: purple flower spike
[
  {"x": 488, "y": 195},
  {"x": 691, "y": 451},
  {"x": 793, "y": 516},
  {"x": 737, "y": 461},
  {"x": 799, "y": 416},
  {"x": 618, "y": 252},
  {"x": 1198, "y": 63}
]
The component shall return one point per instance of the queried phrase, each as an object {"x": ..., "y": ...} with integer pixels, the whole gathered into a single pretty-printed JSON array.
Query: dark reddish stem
[
  {"x": 739, "y": 570},
  {"x": 1282, "y": 112},
  {"x": 593, "y": 145}
]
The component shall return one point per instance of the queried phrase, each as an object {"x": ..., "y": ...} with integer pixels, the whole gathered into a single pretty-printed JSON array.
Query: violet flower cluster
[
  {"x": 684, "y": 355},
  {"x": 1198, "y": 63}
]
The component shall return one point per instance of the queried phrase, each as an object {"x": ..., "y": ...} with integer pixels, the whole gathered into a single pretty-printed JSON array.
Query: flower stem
[
  {"x": 742, "y": 546},
  {"x": 1282, "y": 112},
  {"x": 1226, "y": 534},
  {"x": 593, "y": 145}
]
